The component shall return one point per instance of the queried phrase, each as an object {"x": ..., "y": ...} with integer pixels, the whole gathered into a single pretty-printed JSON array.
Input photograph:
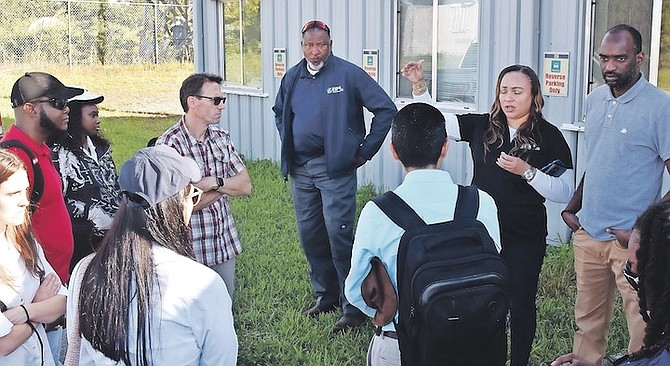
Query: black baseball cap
[{"x": 34, "y": 85}]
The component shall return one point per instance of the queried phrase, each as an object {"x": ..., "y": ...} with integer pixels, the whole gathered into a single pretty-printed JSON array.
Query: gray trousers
[
  {"x": 227, "y": 272},
  {"x": 324, "y": 211}
]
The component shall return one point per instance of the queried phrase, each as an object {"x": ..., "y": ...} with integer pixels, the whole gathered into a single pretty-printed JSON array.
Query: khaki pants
[
  {"x": 383, "y": 351},
  {"x": 598, "y": 266}
]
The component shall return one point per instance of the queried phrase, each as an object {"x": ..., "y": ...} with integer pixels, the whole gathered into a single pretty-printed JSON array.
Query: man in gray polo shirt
[{"x": 627, "y": 149}]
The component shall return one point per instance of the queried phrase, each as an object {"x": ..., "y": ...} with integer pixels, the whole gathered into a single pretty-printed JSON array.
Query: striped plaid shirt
[{"x": 215, "y": 238}]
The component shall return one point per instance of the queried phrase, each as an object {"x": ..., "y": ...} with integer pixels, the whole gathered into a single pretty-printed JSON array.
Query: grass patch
[
  {"x": 131, "y": 133},
  {"x": 273, "y": 289},
  {"x": 142, "y": 88}
]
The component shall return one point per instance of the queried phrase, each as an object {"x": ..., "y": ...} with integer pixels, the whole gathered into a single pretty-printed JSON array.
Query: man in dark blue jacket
[{"x": 319, "y": 116}]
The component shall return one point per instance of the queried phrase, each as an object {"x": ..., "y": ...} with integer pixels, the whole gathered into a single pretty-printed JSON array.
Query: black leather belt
[
  {"x": 57, "y": 324},
  {"x": 386, "y": 333}
]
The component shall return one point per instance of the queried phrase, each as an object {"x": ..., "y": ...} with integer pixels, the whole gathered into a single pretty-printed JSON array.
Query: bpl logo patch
[{"x": 335, "y": 89}]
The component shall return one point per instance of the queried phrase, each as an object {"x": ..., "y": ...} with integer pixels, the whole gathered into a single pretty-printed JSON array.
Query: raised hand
[{"x": 413, "y": 71}]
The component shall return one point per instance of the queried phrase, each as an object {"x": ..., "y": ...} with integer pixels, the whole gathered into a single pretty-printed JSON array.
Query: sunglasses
[
  {"x": 631, "y": 277},
  {"x": 195, "y": 195},
  {"x": 56, "y": 103},
  {"x": 216, "y": 100},
  {"x": 315, "y": 24}
]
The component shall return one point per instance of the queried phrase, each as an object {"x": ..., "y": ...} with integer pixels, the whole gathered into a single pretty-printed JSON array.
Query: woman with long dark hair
[
  {"x": 141, "y": 299},
  {"x": 83, "y": 158},
  {"x": 521, "y": 160},
  {"x": 30, "y": 292}
]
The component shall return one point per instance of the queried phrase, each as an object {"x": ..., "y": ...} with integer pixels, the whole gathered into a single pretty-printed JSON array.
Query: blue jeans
[
  {"x": 55, "y": 342},
  {"x": 324, "y": 209}
]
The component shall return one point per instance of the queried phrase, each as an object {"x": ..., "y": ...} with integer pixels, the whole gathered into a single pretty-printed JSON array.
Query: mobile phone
[{"x": 556, "y": 168}]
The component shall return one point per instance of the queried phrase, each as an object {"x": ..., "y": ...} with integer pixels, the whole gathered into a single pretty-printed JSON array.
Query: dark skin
[{"x": 620, "y": 66}]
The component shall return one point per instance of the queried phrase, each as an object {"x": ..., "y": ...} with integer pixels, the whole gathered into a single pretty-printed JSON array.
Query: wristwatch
[
  {"x": 219, "y": 183},
  {"x": 529, "y": 174}
]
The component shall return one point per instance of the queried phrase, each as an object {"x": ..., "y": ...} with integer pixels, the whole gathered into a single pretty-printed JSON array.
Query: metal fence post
[
  {"x": 156, "y": 32},
  {"x": 69, "y": 33}
]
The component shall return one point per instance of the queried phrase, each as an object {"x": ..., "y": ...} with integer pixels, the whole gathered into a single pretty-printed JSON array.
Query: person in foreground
[
  {"x": 142, "y": 299},
  {"x": 83, "y": 158},
  {"x": 647, "y": 272},
  {"x": 419, "y": 142},
  {"x": 521, "y": 160},
  {"x": 319, "y": 117},
  {"x": 30, "y": 291}
]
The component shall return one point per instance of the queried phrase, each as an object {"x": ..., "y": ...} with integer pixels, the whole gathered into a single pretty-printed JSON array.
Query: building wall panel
[{"x": 511, "y": 31}]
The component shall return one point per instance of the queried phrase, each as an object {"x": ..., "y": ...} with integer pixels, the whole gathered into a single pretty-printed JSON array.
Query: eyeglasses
[
  {"x": 315, "y": 24},
  {"x": 56, "y": 103},
  {"x": 631, "y": 277},
  {"x": 216, "y": 100},
  {"x": 195, "y": 195}
]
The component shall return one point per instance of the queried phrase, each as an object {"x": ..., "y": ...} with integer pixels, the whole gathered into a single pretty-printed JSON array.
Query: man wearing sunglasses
[
  {"x": 319, "y": 116},
  {"x": 197, "y": 136},
  {"x": 40, "y": 108}
]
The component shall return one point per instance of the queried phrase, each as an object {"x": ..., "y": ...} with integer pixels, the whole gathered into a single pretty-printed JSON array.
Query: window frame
[
  {"x": 456, "y": 106},
  {"x": 234, "y": 87}
]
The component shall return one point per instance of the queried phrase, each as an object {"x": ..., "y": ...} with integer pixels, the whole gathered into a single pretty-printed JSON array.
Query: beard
[
  {"x": 622, "y": 78},
  {"x": 314, "y": 67},
  {"x": 49, "y": 126}
]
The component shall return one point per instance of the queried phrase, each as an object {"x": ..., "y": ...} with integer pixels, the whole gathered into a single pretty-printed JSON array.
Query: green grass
[
  {"x": 143, "y": 88},
  {"x": 273, "y": 289}
]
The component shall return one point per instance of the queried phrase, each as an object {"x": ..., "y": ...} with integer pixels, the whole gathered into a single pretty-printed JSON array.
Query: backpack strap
[
  {"x": 38, "y": 177},
  {"x": 467, "y": 203},
  {"x": 398, "y": 210}
]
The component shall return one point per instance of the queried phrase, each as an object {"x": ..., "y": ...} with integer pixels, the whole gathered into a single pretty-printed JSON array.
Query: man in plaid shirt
[{"x": 196, "y": 135}]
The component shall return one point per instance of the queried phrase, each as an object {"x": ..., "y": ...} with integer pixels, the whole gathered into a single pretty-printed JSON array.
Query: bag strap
[
  {"x": 467, "y": 207},
  {"x": 38, "y": 177},
  {"x": 398, "y": 210},
  {"x": 467, "y": 203},
  {"x": 72, "y": 329}
]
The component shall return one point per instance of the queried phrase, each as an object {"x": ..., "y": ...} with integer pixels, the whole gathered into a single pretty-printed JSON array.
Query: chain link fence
[{"x": 107, "y": 32}]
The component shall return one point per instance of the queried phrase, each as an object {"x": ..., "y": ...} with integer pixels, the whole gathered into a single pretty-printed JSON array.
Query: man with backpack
[
  {"x": 40, "y": 108},
  {"x": 461, "y": 241}
]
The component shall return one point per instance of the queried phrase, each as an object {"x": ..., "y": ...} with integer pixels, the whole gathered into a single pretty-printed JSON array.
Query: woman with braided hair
[{"x": 648, "y": 272}]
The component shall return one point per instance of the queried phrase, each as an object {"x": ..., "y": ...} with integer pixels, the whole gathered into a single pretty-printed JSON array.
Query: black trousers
[
  {"x": 85, "y": 243},
  {"x": 524, "y": 261}
]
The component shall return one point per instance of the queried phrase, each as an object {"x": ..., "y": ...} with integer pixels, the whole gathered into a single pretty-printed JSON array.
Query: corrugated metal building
[{"x": 250, "y": 42}]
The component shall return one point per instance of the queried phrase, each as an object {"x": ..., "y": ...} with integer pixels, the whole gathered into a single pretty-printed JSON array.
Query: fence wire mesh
[{"x": 85, "y": 32}]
